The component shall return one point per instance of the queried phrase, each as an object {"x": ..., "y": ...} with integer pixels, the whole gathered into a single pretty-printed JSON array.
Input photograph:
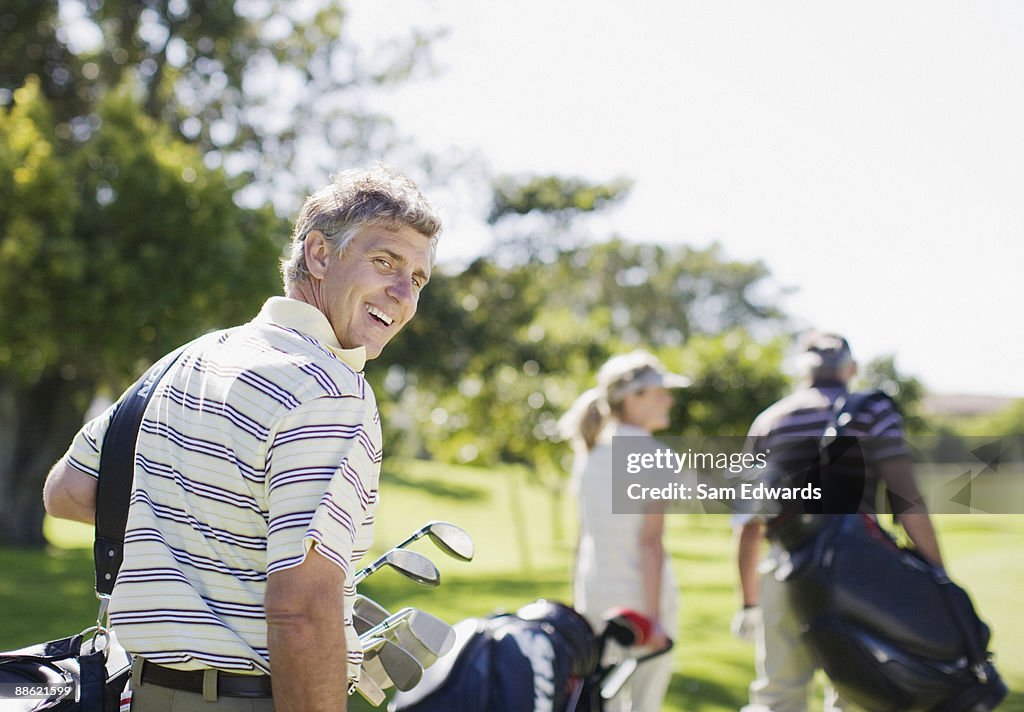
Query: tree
[
  {"x": 260, "y": 86},
  {"x": 734, "y": 377},
  {"x": 127, "y": 146},
  {"x": 534, "y": 217},
  {"x": 111, "y": 256}
]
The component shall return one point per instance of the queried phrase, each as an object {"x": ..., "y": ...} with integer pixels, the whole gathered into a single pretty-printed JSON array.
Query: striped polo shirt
[
  {"x": 261, "y": 441},
  {"x": 790, "y": 432}
]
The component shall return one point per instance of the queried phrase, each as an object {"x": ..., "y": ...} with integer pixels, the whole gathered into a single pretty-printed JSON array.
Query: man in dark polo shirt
[{"x": 785, "y": 668}]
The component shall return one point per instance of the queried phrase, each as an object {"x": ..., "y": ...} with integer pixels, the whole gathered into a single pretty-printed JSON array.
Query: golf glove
[{"x": 746, "y": 622}]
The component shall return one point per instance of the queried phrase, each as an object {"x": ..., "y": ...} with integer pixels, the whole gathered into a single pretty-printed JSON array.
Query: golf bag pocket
[{"x": 880, "y": 676}]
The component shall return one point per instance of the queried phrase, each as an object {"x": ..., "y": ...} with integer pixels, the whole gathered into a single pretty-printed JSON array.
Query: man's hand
[{"x": 745, "y": 623}]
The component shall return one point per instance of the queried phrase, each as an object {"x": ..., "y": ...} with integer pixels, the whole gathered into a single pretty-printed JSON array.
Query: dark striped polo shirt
[{"x": 790, "y": 433}]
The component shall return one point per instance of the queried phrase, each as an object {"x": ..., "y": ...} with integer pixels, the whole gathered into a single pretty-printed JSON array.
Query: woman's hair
[
  {"x": 585, "y": 419},
  {"x": 619, "y": 377},
  {"x": 354, "y": 199}
]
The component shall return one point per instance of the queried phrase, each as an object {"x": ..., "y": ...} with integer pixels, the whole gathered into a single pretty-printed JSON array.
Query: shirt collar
[{"x": 306, "y": 318}]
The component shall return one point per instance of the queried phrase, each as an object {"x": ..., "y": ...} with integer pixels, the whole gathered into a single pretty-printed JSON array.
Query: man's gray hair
[{"x": 354, "y": 199}]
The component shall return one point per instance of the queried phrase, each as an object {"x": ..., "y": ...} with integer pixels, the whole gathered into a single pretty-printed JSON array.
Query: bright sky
[{"x": 871, "y": 154}]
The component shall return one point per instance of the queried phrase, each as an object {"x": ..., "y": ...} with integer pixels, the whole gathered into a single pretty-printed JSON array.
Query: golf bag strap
[
  {"x": 117, "y": 469},
  {"x": 958, "y": 603},
  {"x": 844, "y": 410}
]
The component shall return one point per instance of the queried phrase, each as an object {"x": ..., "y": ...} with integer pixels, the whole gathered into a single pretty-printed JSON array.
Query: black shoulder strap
[
  {"x": 844, "y": 410},
  {"x": 117, "y": 470}
]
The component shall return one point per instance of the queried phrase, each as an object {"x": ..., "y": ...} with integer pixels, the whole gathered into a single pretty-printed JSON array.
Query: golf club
[
  {"x": 408, "y": 563},
  {"x": 424, "y": 636},
  {"x": 447, "y": 537},
  {"x": 367, "y": 613},
  {"x": 394, "y": 662},
  {"x": 616, "y": 676}
]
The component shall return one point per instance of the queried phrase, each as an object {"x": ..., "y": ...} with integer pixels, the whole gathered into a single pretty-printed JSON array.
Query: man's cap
[
  {"x": 825, "y": 351},
  {"x": 632, "y": 372}
]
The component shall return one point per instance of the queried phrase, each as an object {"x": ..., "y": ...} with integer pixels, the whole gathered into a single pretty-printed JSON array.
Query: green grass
[{"x": 524, "y": 539}]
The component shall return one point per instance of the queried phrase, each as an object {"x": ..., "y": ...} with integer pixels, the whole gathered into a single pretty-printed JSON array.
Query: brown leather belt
[{"x": 228, "y": 684}]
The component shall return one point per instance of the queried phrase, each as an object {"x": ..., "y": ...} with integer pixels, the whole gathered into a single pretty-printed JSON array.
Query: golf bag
[
  {"x": 890, "y": 629},
  {"x": 545, "y": 658},
  {"x": 892, "y": 632},
  {"x": 536, "y": 659},
  {"x": 75, "y": 674}
]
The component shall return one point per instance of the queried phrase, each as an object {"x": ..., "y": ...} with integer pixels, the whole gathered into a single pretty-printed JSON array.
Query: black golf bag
[
  {"x": 536, "y": 659},
  {"x": 890, "y": 629}
]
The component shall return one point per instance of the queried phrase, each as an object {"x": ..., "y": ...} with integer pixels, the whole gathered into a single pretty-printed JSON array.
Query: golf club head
[
  {"x": 408, "y": 563},
  {"x": 451, "y": 539},
  {"x": 367, "y": 613},
  {"x": 424, "y": 636},
  {"x": 414, "y": 566},
  {"x": 399, "y": 666}
]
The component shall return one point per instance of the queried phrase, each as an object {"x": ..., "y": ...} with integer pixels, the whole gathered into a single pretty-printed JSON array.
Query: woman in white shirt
[{"x": 621, "y": 560}]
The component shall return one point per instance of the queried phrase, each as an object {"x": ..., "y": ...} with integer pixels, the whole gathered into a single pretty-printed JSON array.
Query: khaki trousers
[{"x": 785, "y": 667}]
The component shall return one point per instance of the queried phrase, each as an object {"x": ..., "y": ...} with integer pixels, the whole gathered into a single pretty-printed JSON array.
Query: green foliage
[
  {"x": 31, "y": 47},
  {"x": 156, "y": 212},
  {"x": 553, "y": 195},
  {"x": 38, "y": 205},
  {"x": 248, "y": 82},
  {"x": 102, "y": 241},
  {"x": 734, "y": 379},
  {"x": 1008, "y": 421},
  {"x": 113, "y": 253},
  {"x": 905, "y": 390}
]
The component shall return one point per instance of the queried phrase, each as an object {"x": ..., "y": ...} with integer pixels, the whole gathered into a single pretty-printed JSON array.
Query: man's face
[{"x": 371, "y": 290}]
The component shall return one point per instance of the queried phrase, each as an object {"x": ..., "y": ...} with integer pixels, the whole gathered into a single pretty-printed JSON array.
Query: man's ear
[{"x": 317, "y": 253}]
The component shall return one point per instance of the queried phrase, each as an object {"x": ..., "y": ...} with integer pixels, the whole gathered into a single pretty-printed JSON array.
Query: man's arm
[
  {"x": 306, "y": 636},
  {"x": 897, "y": 473},
  {"x": 70, "y": 493},
  {"x": 746, "y": 621}
]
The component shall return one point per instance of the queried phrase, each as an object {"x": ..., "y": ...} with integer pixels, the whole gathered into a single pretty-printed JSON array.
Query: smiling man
[{"x": 257, "y": 469}]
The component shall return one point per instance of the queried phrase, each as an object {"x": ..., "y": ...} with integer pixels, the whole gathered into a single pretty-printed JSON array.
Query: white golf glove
[{"x": 745, "y": 623}]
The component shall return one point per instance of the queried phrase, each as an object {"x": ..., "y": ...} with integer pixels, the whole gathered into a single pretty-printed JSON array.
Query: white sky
[{"x": 870, "y": 153}]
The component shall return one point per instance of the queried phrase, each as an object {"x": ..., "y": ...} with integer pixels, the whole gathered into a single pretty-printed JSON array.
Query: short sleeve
[
  {"x": 84, "y": 452},
  {"x": 323, "y": 467},
  {"x": 885, "y": 431}
]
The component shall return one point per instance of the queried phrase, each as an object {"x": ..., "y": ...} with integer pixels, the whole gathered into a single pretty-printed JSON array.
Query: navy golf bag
[
  {"x": 545, "y": 658},
  {"x": 890, "y": 629},
  {"x": 536, "y": 659}
]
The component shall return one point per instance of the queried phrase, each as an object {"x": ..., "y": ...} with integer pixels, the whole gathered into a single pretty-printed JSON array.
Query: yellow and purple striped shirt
[{"x": 260, "y": 442}]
